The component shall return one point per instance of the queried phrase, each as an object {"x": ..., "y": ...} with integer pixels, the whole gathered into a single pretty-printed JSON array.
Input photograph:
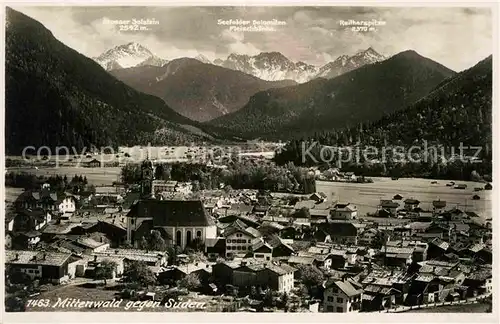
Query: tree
[
  {"x": 144, "y": 244},
  {"x": 197, "y": 245},
  {"x": 156, "y": 242},
  {"x": 105, "y": 270},
  {"x": 302, "y": 291},
  {"x": 268, "y": 299},
  {"x": 310, "y": 275},
  {"x": 303, "y": 213},
  {"x": 190, "y": 282},
  {"x": 173, "y": 252},
  {"x": 139, "y": 273}
]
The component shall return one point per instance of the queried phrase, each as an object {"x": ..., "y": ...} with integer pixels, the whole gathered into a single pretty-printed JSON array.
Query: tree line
[{"x": 246, "y": 174}]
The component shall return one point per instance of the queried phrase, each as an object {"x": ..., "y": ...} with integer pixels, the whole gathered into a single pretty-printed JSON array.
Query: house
[
  {"x": 397, "y": 197},
  {"x": 319, "y": 215},
  {"x": 438, "y": 205},
  {"x": 397, "y": 256},
  {"x": 319, "y": 197},
  {"x": 437, "y": 248},
  {"x": 344, "y": 211},
  {"x": 94, "y": 163},
  {"x": 215, "y": 248},
  {"x": 261, "y": 210},
  {"x": 172, "y": 274},
  {"x": 341, "y": 297},
  {"x": 43, "y": 199},
  {"x": 378, "y": 297},
  {"x": 411, "y": 203},
  {"x": 31, "y": 220},
  {"x": 420, "y": 248},
  {"x": 340, "y": 232},
  {"x": 46, "y": 266},
  {"x": 277, "y": 277},
  {"x": 479, "y": 281},
  {"x": 240, "y": 239},
  {"x": 222, "y": 272},
  {"x": 389, "y": 206},
  {"x": 67, "y": 205},
  {"x": 179, "y": 221},
  {"x": 273, "y": 248},
  {"x": 488, "y": 186}
]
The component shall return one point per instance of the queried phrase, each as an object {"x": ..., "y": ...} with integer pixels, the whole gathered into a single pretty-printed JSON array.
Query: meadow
[{"x": 366, "y": 196}]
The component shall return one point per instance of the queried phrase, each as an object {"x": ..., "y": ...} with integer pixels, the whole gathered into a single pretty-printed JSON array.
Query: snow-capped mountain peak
[
  {"x": 202, "y": 58},
  {"x": 128, "y": 55},
  {"x": 271, "y": 66},
  {"x": 368, "y": 56},
  {"x": 345, "y": 63},
  {"x": 274, "y": 66}
]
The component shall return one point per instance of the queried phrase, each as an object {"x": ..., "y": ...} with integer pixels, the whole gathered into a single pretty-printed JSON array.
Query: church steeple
[{"x": 147, "y": 176}]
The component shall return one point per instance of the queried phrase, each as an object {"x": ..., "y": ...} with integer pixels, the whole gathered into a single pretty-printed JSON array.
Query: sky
[{"x": 455, "y": 37}]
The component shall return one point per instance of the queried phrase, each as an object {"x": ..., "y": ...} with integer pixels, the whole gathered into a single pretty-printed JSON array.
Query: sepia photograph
[{"x": 249, "y": 159}]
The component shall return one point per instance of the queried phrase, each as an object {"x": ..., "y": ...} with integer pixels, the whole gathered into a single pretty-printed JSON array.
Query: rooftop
[{"x": 36, "y": 258}]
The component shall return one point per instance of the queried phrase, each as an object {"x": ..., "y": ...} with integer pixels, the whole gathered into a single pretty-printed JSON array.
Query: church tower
[{"x": 147, "y": 176}]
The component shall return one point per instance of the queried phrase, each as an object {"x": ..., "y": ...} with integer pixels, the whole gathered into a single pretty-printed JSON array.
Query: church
[{"x": 178, "y": 221}]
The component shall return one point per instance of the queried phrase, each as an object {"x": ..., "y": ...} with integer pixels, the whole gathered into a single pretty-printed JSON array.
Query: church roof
[{"x": 172, "y": 212}]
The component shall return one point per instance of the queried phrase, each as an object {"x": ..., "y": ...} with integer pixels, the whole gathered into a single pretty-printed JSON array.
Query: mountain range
[
  {"x": 194, "y": 89},
  {"x": 268, "y": 66},
  {"x": 456, "y": 113},
  {"x": 58, "y": 97},
  {"x": 364, "y": 94}
]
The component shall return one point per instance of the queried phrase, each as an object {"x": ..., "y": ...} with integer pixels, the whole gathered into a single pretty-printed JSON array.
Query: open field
[
  {"x": 96, "y": 176},
  {"x": 367, "y": 195}
]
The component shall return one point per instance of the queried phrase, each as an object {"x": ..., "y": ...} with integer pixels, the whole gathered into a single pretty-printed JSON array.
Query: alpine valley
[
  {"x": 362, "y": 95},
  {"x": 58, "y": 97}
]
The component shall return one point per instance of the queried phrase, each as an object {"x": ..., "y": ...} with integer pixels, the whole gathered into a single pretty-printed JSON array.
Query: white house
[
  {"x": 67, "y": 205},
  {"x": 240, "y": 238},
  {"x": 344, "y": 211},
  {"x": 341, "y": 297}
]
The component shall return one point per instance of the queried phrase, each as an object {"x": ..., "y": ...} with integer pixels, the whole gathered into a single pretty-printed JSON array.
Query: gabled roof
[
  {"x": 388, "y": 204},
  {"x": 309, "y": 204},
  {"x": 344, "y": 207},
  {"x": 280, "y": 269},
  {"x": 443, "y": 245},
  {"x": 412, "y": 201},
  {"x": 345, "y": 286},
  {"x": 35, "y": 257},
  {"x": 294, "y": 259},
  {"x": 172, "y": 212}
]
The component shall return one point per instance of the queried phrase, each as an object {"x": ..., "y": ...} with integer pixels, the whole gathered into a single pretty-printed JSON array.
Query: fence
[{"x": 471, "y": 300}]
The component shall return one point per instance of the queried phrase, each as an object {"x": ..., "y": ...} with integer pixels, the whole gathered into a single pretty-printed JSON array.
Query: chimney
[
  {"x": 17, "y": 257},
  {"x": 95, "y": 258},
  {"x": 44, "y": 256}
]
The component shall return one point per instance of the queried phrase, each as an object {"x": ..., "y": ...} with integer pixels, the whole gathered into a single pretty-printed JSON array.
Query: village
[{"x": 244, "y": 250}]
